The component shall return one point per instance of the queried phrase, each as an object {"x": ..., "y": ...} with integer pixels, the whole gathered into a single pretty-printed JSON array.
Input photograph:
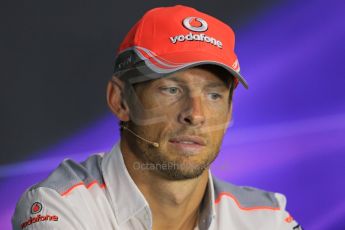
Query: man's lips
[
  {"x": 186, "y": 144},
  {"x": 188, "y": 140}
]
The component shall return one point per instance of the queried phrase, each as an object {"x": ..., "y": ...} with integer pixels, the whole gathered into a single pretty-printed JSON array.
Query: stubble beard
[
  {"x": 179, "y": 168},
  {"x": 172, "y": 165}
]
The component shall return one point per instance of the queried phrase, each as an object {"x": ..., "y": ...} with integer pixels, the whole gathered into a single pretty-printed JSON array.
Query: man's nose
[{"x": 193, "y": 112}]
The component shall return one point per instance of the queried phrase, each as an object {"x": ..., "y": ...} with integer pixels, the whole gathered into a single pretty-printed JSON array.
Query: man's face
[{"x": 187, "y": 113}]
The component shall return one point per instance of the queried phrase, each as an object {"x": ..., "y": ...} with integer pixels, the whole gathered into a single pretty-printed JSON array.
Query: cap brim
[{"x": 153, "y": 66}]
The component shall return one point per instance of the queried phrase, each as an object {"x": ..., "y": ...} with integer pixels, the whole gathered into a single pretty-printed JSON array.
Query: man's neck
[{"x": 174, "y": 204}]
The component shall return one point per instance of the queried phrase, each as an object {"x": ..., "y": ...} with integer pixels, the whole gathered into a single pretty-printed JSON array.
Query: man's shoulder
[
  {"x": 246, "y": 197},
  {"x": 62, "y": 194},
  {"x": 70, "y": 174},
  {"x": 251, "y": 207}
]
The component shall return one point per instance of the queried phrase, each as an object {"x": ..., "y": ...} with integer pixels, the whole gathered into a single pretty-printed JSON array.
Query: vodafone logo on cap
[
  {"x": 196, "y": 24},
  {"x": 187, "y": 22}
]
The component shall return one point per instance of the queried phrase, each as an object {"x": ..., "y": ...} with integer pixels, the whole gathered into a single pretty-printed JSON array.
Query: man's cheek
[
  {"x": 218, "y": 118},
  {"x": 215, "y": 126},
  {"x": 146, "y": 117}
]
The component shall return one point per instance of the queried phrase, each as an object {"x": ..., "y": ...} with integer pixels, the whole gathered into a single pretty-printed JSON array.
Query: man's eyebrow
[
  {"x": 217, "y": 85},
  {"x": 209, "y": 85},
  {"x": 175, "y": 79}
]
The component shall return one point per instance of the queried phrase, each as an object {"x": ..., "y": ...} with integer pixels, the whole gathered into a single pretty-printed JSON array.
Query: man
[{"x": 172, "y": 88}]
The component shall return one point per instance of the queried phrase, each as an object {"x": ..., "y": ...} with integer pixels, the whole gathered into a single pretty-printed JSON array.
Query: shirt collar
[
  {"x": 127, "y": 199},
  {"x": 125, "y": 195},
  {"x": 207, "y": 208}
]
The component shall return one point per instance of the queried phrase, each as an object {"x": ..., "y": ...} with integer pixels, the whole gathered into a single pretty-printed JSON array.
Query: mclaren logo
[{"x": 187, "y": 22}]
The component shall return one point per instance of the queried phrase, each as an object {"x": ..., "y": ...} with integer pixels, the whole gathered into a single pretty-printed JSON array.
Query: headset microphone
[{"x": 155, "y": 144}]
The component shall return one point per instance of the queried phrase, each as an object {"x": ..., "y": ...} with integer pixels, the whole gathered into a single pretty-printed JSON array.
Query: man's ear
[{"x": 115, "y": 100}]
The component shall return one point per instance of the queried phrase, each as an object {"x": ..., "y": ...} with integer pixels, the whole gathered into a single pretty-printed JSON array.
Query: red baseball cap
[{"x": 169, "y": 39}]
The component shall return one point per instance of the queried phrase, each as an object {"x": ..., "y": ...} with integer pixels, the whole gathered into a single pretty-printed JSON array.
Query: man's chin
[{"x": 183, "y": 171}]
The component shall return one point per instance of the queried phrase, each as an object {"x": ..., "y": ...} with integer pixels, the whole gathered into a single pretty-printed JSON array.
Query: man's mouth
[
  {"x": 188, "y": 140},
  {"x": 190, "y": 144}
]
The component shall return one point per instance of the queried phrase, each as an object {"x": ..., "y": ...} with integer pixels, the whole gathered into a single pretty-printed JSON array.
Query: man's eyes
[
  {"x": 170, "y": 90},
  {"x": 215, "y": 96},
  {"x": 177, "y": 91}
]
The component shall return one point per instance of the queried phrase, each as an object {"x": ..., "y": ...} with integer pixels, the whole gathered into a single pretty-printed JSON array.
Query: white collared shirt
[{"x": 100, "y": 194}]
